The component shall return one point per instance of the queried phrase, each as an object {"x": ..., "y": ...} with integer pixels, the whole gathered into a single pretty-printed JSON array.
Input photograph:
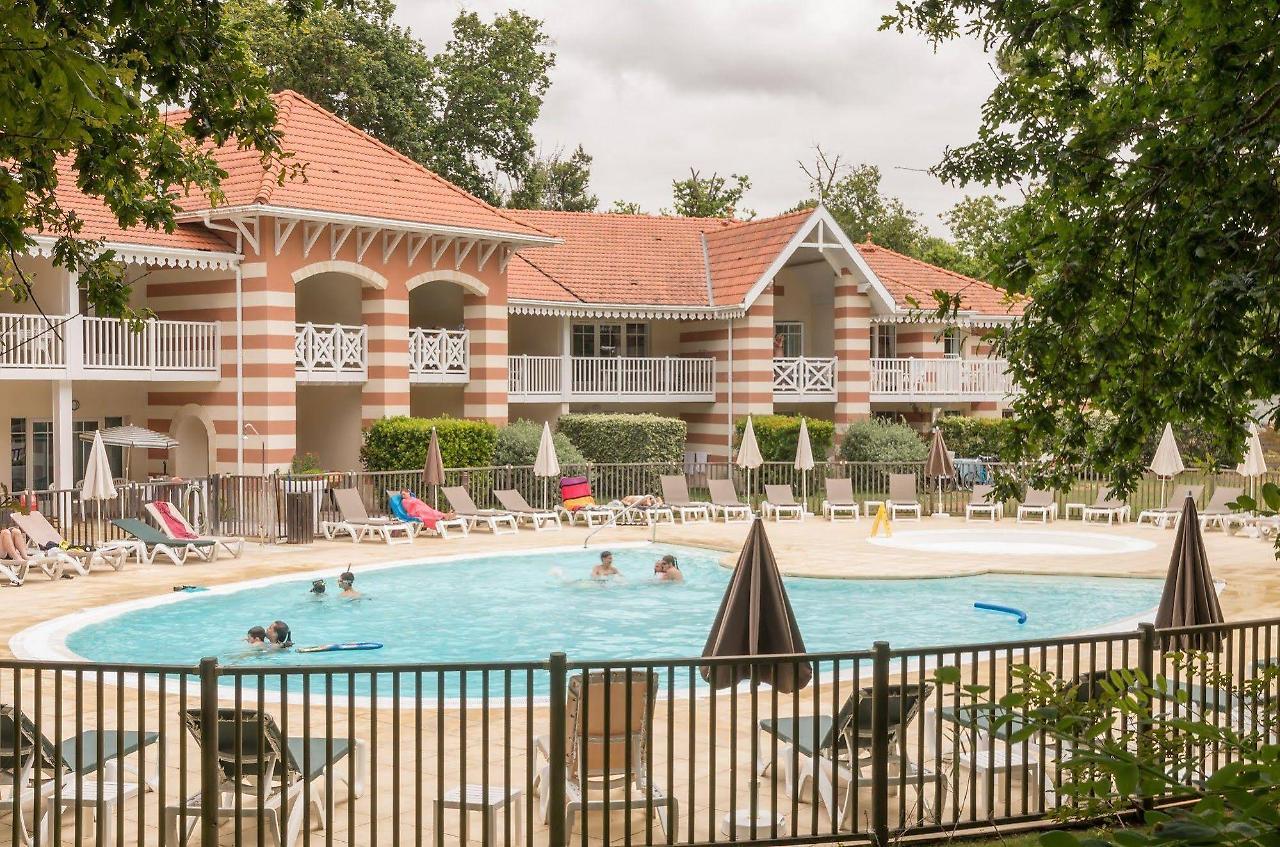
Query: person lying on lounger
[
  {"x": 667, "y": 570},
  {"x": 13, "y": 545},
  {"x": 416, "y": 508}
]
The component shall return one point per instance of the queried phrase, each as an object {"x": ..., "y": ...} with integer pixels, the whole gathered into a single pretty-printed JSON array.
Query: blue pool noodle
[{"x": 1008, "y": 610}]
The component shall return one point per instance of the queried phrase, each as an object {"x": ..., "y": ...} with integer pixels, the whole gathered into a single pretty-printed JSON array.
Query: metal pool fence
[{"x": 879, "y": 744}]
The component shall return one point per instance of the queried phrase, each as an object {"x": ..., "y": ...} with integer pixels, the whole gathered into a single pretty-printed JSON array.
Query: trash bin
[{"x": 299, "y": 519}]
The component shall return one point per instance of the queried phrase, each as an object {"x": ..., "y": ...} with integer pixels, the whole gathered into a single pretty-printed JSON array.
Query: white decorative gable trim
[
  {"x": 620, "y": 310},
  {"x": 162, "y": 257},
  {"x": 918, "y": 316}
]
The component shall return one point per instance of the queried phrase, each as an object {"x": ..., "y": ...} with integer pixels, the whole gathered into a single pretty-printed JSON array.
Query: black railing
[{"x": 880, "y": 743}]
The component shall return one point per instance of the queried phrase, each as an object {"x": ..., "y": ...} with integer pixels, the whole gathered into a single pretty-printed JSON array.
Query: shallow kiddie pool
[
  {"x": 995, "y": 544},
  {"x": 521, "y": 608}
]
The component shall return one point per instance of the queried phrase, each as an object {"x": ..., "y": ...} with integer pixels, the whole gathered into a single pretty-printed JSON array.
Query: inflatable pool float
[{"x": 346, "y": 645}]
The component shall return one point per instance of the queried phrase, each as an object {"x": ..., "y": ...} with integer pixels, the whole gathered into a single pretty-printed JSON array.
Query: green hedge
[
  {"x": 877, "y": 440},
  {"x": 396, "y": 444},
  {"x": 777, "y": 436},
  {"x": 518, "y": 445},
  {"x": 973, "y": 437},
  {"x": 626, "y": 438}
]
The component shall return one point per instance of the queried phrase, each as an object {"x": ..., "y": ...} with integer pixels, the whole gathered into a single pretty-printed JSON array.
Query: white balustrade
[
  {"x": 925, "y": 378},
  {"x": 439, "y": 355},
  {"x": 331, "y": 352},
  {"x": 156, "y": 345},
  {"x": 33, "y": 341},
  {"x": 619, "y": 378},
  {"x": 800, "y": 377},
  {"x": 533, "y": 376}
]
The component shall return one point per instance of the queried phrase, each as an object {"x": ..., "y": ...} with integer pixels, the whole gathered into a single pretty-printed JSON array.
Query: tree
[
  {"x": 90, "y": 87},
  {"x": 977, "y": 225},
  {"x": 710, "y": 197},
  {"x": 625, "y": 207},
  {"x": 466, "y": 112},
  {"x": 1145, "y": 136},
  {"x": 852, "y": 194},
  {"x": 557, "y": 183}
]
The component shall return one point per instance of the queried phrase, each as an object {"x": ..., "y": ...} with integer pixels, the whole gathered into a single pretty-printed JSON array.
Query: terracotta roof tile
[
  {"x": 906, "y": 277},
  {"x": 740, "y": 254}
]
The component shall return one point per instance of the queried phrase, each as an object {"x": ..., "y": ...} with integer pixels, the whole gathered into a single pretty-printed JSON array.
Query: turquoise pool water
[{"x": 521, "y": 608}]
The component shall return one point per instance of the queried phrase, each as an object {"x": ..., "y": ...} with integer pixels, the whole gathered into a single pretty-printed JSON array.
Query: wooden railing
[
  {"x": 622, "y": 378},
  {"x": 939, "y": 379},
  {"x": 804, "y": 378},
  {"x": 331, "y": 352},
  {"x": 439, "y": 355},
  {"x": 33, "y": 341},
  {"x": 111, "y": 344},
  {"x": 533, "y": 377}
]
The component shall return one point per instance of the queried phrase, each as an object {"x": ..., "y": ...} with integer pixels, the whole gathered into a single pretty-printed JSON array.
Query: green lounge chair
[{"x": 156, "y": 543}]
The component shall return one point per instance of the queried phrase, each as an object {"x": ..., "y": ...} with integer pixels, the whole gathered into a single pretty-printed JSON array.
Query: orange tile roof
[
  {"x": 740, "y": 254},
  {"x": 906, "y": 277},
  {"x": 349, "y": 172}
]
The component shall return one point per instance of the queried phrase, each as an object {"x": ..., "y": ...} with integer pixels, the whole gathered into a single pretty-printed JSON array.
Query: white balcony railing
[
  {"x": 939, "y": 379},
  {"x": 331, "y": 352},
  {"x": 802, "y": 378},
  {"x": 634, "y": 379},
  {"x": 111, "y": 344},
  {"x": 33, "y": 341},
  {"x": 439, "y": 355}
]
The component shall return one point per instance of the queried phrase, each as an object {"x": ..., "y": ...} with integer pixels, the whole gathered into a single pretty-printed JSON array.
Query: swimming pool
[
  {"x": 521, "y": 608},
  {"x": 998, "y": 543}
]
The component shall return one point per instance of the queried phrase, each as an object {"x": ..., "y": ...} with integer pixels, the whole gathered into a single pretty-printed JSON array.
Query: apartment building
[{"x": 290, "y": 316}]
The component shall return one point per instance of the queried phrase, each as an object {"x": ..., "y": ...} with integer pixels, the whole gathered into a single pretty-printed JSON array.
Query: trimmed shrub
[
  {"x": 305, "y": 463},
  {"x": 778, "y": 435},
  {"x": 400, "y": 443},
  {"x": 626, "y": 438},
  {"x": 973, "y": 437},
  {"x": 518, "y": 445},
  {"x": 877, "y": 440}
]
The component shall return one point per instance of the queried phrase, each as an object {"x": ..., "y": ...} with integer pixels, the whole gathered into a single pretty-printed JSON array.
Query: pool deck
[{"x": 814, "y": 547}]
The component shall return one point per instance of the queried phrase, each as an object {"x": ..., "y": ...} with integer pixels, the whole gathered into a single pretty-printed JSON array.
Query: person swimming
[
  {"x": 317, "y": 587},
  {"x": 279, "y": 636},
  {"x": 257, "y": 636},
  {"x": 347, "y": 582},
  {"x": 605, "y": 570},
  {"x": 667, "y": 569}
]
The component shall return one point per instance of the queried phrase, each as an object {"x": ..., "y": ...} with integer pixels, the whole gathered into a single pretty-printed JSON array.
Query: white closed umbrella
[
  {"x": 1254, "y": 464},
  {"x": 804, "y": 460},
  {"x": 749, "y": 454},
  {"x": 546, "y": 464},
  {"x": 1167, "y": 462},
  {"x": 98, "y": 484}
]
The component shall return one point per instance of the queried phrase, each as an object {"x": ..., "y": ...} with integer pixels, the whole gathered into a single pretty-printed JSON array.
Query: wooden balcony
[
  {"x": 80, "y": 347},
  {"x": 653, "y": 379},
  {"x": 802, "y": 379},
  {"x": 939, "y": 380},
  {"x": 331, "y": 353},
  {"x": 439, "y": 356}
]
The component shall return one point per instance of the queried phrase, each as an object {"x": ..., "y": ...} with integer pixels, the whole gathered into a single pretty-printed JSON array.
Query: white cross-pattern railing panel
[
  {"x": 534, "y": 376},
  {"x": 801, "y": 376},
  {"x": 331, "y": 349},
  {"x": 157, "y": 345},
  {"x": 653, "y": 376},
  {"x": 924, "y": 378},
  {"x": 439, "y": 352},
  {"x": 33, "y": 341}
]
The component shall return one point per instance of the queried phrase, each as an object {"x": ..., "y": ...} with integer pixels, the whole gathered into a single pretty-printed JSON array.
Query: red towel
[{"x": 175, "y": 527}]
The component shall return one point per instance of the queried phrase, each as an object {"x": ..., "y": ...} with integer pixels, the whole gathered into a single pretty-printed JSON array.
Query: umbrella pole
[{"x": 545, "y": 495}]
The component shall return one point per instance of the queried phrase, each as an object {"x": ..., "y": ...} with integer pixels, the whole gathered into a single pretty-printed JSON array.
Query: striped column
[
  {"x": 852, "y": 333},
  {"x": 386, "y": 316},
  {"x": 485, "y": 395},
  {"x": 709, "y": 425}
]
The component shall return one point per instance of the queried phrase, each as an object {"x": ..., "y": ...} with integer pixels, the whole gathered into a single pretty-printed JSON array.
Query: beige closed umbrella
[
  {"x": 1254, "y": 464},
  {"x": 939, "y": 466},
  {"x": 546, "y": 464},
  {"x": 1190, "y": 597},
  {"x": 98, "y": 484},
  {"x": 1167, "y": 462},
  {"x": 433, "y": 469},
  {"x": 749, "y": 457},
  {"x": 804, "y": 460}
]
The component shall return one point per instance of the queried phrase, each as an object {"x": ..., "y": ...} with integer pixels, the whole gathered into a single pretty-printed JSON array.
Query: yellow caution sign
[{"x": 882, "y": 520}]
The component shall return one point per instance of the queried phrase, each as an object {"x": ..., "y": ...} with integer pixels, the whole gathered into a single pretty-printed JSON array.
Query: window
[
  {"x": 610, "y": 340},
  {"x": 584, "y": 340},
  {"x": 17, "y": 454},
  {"x": 788, "y": 339},
  {"x": 884, "y": 341},
  {"x": 41, "y": 454},
  {"x": 115, "y": 455},
  {"x": 81, "y": 448},
  {"x": 637, "y": 339},
  {"x": 952, "y": 343}
]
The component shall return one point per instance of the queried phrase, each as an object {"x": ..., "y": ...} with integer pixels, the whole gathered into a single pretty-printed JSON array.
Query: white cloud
[{"x": 653, "y": 88}]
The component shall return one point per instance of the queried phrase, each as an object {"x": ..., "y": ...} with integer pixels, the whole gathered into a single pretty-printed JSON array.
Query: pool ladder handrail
[{"x": 613, "y": 521}]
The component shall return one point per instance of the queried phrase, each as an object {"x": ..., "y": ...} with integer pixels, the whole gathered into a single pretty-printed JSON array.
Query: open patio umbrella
[
  {"x": 98, "y": 484},
  {"x": 130, "y": 437},
  {"x": 755, "y": 619},
  {"x": 749, "y": 454},
  {"x": 939, "y": 466},
  {"x": 1189, "y": 597},
  {"x": 1254, "y": 464},
  {"x": 433, "y": 469},
  {"x": 804, "y": 459},
  {"x": 1167, "y": 462},
  {"x": 546, "y": 464}
]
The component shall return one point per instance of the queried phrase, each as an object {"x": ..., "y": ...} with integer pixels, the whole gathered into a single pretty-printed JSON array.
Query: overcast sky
[{"x": 651, "y": 88}]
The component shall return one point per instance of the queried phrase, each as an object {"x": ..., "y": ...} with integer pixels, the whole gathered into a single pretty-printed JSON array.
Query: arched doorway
[{"x": 192, "y": 427}]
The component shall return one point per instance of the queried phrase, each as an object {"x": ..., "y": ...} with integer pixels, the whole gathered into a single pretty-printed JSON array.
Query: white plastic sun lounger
[
  {"x": 14, "y": 572},
  {"x": 725, "y": 502},
  {"x": 1172, "y": 508},
  {"x": 980, "y": 502},
  {"x": 513, "y": 501},
  {"x": 840, "y": 500},
  {"x": 675, "y": 496},
  {"x": 1106, "y": 506},
  {"x": 1039, "y": 503},
  {"x": 234, "y": 546},
  {"x": 357, "y": 523},
  {"x": 902, "y": 496},
  {"x": 466, "y": 508},
  {"x": 781, "y": 500},
  {"x": 41, "y": 534},
  {"x": 1218, "y": 511}
]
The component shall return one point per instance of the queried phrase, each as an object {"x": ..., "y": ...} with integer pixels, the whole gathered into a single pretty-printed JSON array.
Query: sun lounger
[
  {"x": 170, "y": 519},
  {"x": 1172, "y": 508},
  {"x": 395, "y": 505},
  {"x": 461, "y": 503},
  {"x": 725, "y": 502},
  {"x": 840, "y": 499},
  {"x": 1039, "y": 503},
  {"x": 780, "y": 500},
  {"x": 14, "y": 572},
  {"x": 514, "y": 502},
  {"x": 623, "y": 730},
  {"x": 156, "y": 543},
  {"x": 356, "y": 522},
  {"x": 1218, "y": 512},
  {"x": 675, "y": 495},
  {"x": 48, "y": 541},
  {"x": 1106, "y": 506},
  {"x": 902, "y": 496},
  {"x": 262, "y": 773},
  {"x": 980, "y": 502},
  {"x": 577, "y": 502}
]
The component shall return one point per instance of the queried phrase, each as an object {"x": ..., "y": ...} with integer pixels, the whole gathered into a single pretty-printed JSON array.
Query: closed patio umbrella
[
  {"x": 433, "y": 469},
  {"x": 98, "y": 484},
  {"x": 804, "y": 460},
  {"x": 546, "y": 464},
  {"x": 1167, "y": 462},
  {"x": 749, "y": 454},
  {"x": 756, "y": 619},
  {"x": 1254, "y": 464},
  {"x": 939, "y": 466},
  {"x": 1189, "y": 597}
]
